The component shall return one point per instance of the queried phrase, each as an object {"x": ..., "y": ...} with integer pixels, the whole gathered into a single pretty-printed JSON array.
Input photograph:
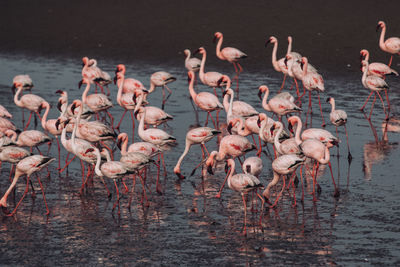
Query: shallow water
[{"x": 187, "y": 225}]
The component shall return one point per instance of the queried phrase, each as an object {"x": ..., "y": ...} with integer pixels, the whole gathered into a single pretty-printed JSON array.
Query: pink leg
[
  {"x": 119, "y": 124},
  {"x": 283, "y": 83},
  {"x": 372, "y": 107},
  {"x": 320, "y": 108},
  {"x": 383, "y": 105},
  {"x": 337, "y": 193},
  {"x": 220, "y": 190},
  {"x": 208, "y": 114},
  {"x": 23, "y": 196},
  {"x": 29, "y": 121},
  {"x": 390, "y": 62},
  {"x": 111, "y": 117},
  {"x": 215, "y": 125},
  {"x": 44, "y": 196},
  {"x": 133, "y": 126},
  {"x": 387, "y": 100},
  {"x": 117, "y": 201},
  {"x": 362, "y": 108},
  {"x": 66, "y": 165},
  {"x": 349, "y": 156}
]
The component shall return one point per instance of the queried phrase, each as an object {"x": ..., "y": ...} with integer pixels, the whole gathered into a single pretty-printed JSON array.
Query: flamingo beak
[
  {"x": 285, "y": 61},
  {"x": 115, "y": 80},
  {"x": 210, "y": 170},
  {"x": 267, "y": 42},
  {"x": 259, "y": 122},
  {"x": 57, "y": 124},
  {"x": 328, "y": 99},
  {"x": 134, "y": 99},
  {"x": 226, "y": 168},
  {"x": 220, "y": 81},
  {"x": 290, "y": 127},
  {"x": 215, "y": 39},
  {"x": 248, "y": 168},
  {"x": 195, "y": 52},
  {"x": 59, "y": 104},
  {"x": 378, "y": 27},
  {"x": 89, "y": 150},
  {"x": 136, "y": 112},
  {"x": 73, "y": 107},
  {"x": 301, "y": 64},
  {"x": 272, "y": 129},
  {"x": 229, "y": 128},
  {"x": 259, "y": 94},
  {"x": 224, "y": 93},
  {"x": 119, "y": 142},
  {"x": 59, "y": 92},
  {"x": 80, "y": 84}
]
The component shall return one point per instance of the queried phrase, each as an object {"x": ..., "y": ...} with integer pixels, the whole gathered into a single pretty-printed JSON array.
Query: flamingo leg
[
  {"x": 66, "y": 165},
  {"x": 144, "y": 191},
  {"x": 23, "y": 196},
  {"x": 383, "y": 105},
  {"x": 320, "y": 108},
  {"x": 11, "y": 172},
  {"x": 117, "y": 201},
  {"x": 29, "y": 121},
  {"x": 387, "y": 100},
  {"x": 215, "y": 125},
  {"x": 280, "y": 193},
  {"x": 372, "y": 107},
  {"x": 349, "y": 156},
  {"x": 245, "y": 214},
  {"x": 108, "y": 148},
  {"x": 119, "y": 124},
  {"x": 309, "y": 107},
  {"x": 132, "y": 192},
  {"x": 223, "y": 184},
  {"x": 283, "y": 83},
  {"x": 133, "y": 126},
  {"x": 337, "y": 193},
  {"x": 208, "y": 114},
  {"x": 302, "y": 184},
  {"x": 297, "y": 89},
  {"x": 44, "y": 196},
  {"x": 362, "y": 108},
  {"x": 391, "y": 59},
  {"x": 111, "y": 117}
]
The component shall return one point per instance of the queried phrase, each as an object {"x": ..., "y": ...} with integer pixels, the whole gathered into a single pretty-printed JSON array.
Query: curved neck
[
  {"x": 64, "y": 136},
  {"x": 274, "y": 181},
  {"x": 16, "y": 100},
  {"x": 202, "y": 64},
  {"x": 382, "y": 39},
  {"x": 192, "y": 92},
  {"x": 44, "y": 118},
  {"x": 120, "y": 86},
  {"x": 178, "y": 164},
  {"x": 364, "y": 77},
  {"x": 152, "y": 86},
  {"x": 240, "y": 129},
  {"x": 298, "y": 131},
  {"x": 12, "y": 135},
  {"x": 366, "y": 56},
  {"x": 97, "y": 167},
  {"x": 141, "y": 124},
  {"x": 274, "y": 61},
  {"x": 327, "y": 156},
  {"x": 332, "y": 101},
  {"x": 218, "y": 48},
  {"x": 305, "y": 67},
  {"x": 84, "y": 95},
  {"x": 230, "y": 107},
  {"x": 264, "y": 101},
  {"x": 231, "y": 164},
  {"x": 124, "y": 146},
  {"x": 276, "y": 138},
  {"x": 187, "y": 57},
  {"x": 77, "y": 121}
]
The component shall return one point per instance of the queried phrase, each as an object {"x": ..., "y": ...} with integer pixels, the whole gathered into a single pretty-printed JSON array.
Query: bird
[
  {"x": 26, "y": 166},
  {"x": 130, "y": 85},
  {"x": 6, "y": 124},
  {"x": 102, "y": 78},
  {"x": 338, "y": 117},
  {"x": 294, "y": 67},
  {"x": 146, "y": 148},
  {"x": 230, "y": 54},
  {"x": 376, "y": 68},
  {"x": 66, "y": 110},
  {"x": 161, "y": 79},
  {"x": 245, "y": 127},
  {"x": 210, "y": 78},
  {"x": 242, "y": 183},
  {"x": 287, "y": 146},
  {"x": 390, "y": 45},
  {"x": 154, "y": 115},
  {"x": 375, "y": 84},
  {"x": 312, "y": 81},
  {"x": 29, "y": 101},
  {"x": 253, "y": 166},
  {"x": 25, "y": 80},
  {"x": 199, "y": 135},
  {"x": 237, "y": 108},
  {"x": 4, "y": 112},
  {"x": 32, "y": 138},
  {"x": 281, "y": 104},
  {"x": 282, "y": 165},
  {"x": 191, "y": 63},
  {"x": 13, "y": 155},
  {"x": 204, "y": 100}
]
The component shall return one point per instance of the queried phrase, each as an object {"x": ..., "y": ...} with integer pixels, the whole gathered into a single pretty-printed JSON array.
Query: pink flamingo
[
  {"x": 266, "y": 133},
  {"x": 4, "y": 112},
  {"x": 338, "y": 117},
  {"x": 312, "y": 81},
  {"x": 96, "y": 102},
  {"x": 282, "y": 165},
  {"x": 195, "y": 136},
  {"x": 29, "y": 101},
  {"x": 13, "y": 155},
  {"x": 245, "y": 127},
  {"x": 102, "y": 78},
  {"x": 230, "y": 146},
  {"x": 6, "y": 125},
  {"x": 161, "y": 79},
  {"x": 110, "y": 169},
  {"x": 25, "y": 80},
  {"x": 154, "y": 115},
  {"x": 287, "y": 146},
  {"x": 130, "y": 85},
  {"x": 66, "y": 110},
  {"x": 242, "y": 183},
  {"x": 230, "y": 54},
  {"x": 236, "y": 108},
  {"x": 146, "y": 148},
  {"x": 191, "y": 63},
  {"x": 32, "y": 138},
  {"x": 204, "y": 100},
  {"x": 377, "y": 68},
  {"x": 253, "y": 166},
  {"x": 391, "y": 45},
  {"x": 5, "y": 139},
  {"x": 281, "y": 104},
  {"x": 210, "y": 78},
  {"x": 314, "y": 148},
  {"x": 26, "y": 166},
  {"x": 375, "y": 84}
]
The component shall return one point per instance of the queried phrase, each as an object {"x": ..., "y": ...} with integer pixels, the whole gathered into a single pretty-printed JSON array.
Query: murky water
[{"x": 187, "y": 225}]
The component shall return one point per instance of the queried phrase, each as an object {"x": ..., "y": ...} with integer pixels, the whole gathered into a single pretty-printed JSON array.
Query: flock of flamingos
[{"x": 294, "y": 145}]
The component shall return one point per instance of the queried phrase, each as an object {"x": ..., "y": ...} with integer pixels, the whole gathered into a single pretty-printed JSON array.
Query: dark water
[{"x": 187, "y": 225}]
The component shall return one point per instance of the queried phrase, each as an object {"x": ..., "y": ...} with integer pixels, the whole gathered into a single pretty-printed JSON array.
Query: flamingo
[
  {"x": 230, "y": 54},
  {"x": 391, "y": 45},
  {"x": 32, "y": 138},
  {"x": 195, "y": 136},
  {"x": 281, "y": 104},
  {"x": 237, "y": 108},
  {"x": 375, "y": 84},
  {"x": 245, "y": 127},
  {"x": 88, "y": 71},
  {"x": 265, "y": 123},
  {"x": 338, "y": 117},
  {"x": 110, "y": 169},
  {"x": 130, "y": 85},
  {"x": 377, "y": 68},
  {"x": 154, "y": 115},
  {"x": 191, "y": 63},
  {"x": 26, "y": 166},
  {"x": 66, "y": 110},
  {"x": 5, "y": 139},
  {"x": 314, "y": 147},
  {"x": 96, "y": 102},
  {"x": 312, "y": 81},
  {"x": 29, "y": 101},
  {"x": 242, "y": 183},
  {"x": 146, "y": 148},
  {"x": 282, "y": 165},
  {"x": 6, "y": 125},
  {"x": 25, "y": 80},
  {"x": 103, "y": 78},
  {"x": 13, "y": 155},
  {"x": 253, "y": 166},
  {"x": 210, "y": 78},
  {"x": 161, "y": 78},
  {"x": 204, "y": 100},
  {"x": 287, "y": 146},
  {"x": 4, "y": 112}
]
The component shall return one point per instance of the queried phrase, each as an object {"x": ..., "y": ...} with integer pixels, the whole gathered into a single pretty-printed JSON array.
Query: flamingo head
[
  {"x": 224, "y": 80},
  {"x": 83, "y": 81},
  {"x": 120, "y": 68},
  {"x": 210, "y": 162},
  {"x": 61, "y": 122},
  {"x": 230, "y": 126},
  {"x": 190, "y": 76},
  {"x": 75, "y": 104},
  {"x": 121, "y": 138},
  {"x": 217, "y": 35},
  {"x": 201, "y": 50},
  {"x": 178, "y": 173},
  {"x": 328, "y": 100},
  {"x": 248, "y": 169},
  {"x": 85, "y": 61},
  {"x": 363, "y": 53},
  {"x": 262, "y": 89},
  {"x": 261, "y": 117},
  {"x": 16, "y": 85},
  {"x": 271, "y": 40},
  {"x": 118, "y": 76},
  {"x": 186, "y": 52},
  {"x": 381, "y": 24}
]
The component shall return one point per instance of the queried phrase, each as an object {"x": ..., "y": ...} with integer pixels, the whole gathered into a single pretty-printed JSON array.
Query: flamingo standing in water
[
  {"x": 338, "y": 117},
  {"x": 146, "y": 148},
  {"x": 210, "y": 78},
  {"x": 390, "y": 45},
  {"x": 130, "y": 85},
  {"x": 253, "y": 166},
  {"x": 161, "y": 79},
  {"x": 26, "y": 166},
  {"x": 230, "y": 54},
  {"x": 204, "y": 100},
  {"x": 195, "y": 136},
  {"x": 312, "y": 81},
  {"x": 245, "y": 127},
  {"x": 32, "y": 138},
  {"x": 242, "y": 183},
  {"x": 13, "y": 155},
  {"x": 376, "y": 68},
  {"x": 29, "y": 101},
  {"x": 96, "y": 102},
  {"x": 237, "y": 108},
  {"x": 102, "y": 78},
  {"x": 282, "y": 165},
  {"x": 191, "y": 63},
  {"x": 375, "y": 84}
]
